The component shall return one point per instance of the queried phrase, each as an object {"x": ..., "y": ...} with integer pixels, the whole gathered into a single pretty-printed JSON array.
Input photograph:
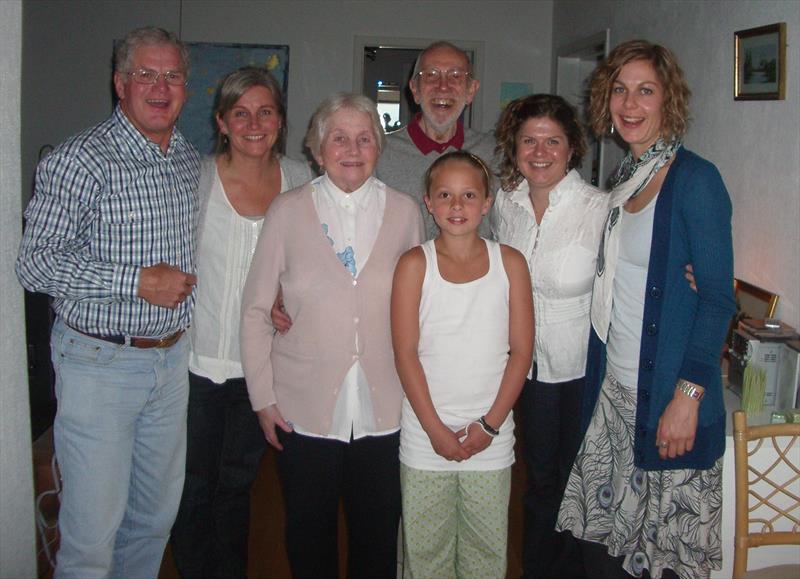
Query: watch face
[{"x": 690, "y": 390}]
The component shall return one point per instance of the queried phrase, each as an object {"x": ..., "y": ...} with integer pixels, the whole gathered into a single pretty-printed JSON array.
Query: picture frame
[
  {"x": 753, "y": 301},
  {"x": 760, "y": 63}
]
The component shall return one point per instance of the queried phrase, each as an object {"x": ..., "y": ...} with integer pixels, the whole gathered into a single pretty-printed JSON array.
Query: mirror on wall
[
  {"x": 574, "y": 64},
  {"x": 389, "y": 99}
]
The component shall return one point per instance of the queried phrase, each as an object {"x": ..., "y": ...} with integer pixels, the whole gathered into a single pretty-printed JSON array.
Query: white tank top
[
  {"x": 630, "y": 283},
  {"x": 463, "y": 349}
]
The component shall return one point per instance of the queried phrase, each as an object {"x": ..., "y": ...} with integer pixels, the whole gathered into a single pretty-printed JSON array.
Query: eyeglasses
[
  {"x": 147, "y": 76},
  {"x": 434, "y": 75}
]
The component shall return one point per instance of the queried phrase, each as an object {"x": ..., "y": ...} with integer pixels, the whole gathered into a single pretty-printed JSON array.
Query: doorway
[
  {"x": 386, "y": 74},
  {"x": 574, "y": 65}
]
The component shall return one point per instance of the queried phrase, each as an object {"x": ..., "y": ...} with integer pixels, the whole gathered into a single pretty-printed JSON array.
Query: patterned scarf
[
  {"x": 660, "y": 150},
  {"x": 631, "y": 178}
]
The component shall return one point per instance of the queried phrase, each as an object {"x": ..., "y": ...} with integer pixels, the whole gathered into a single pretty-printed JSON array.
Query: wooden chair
[{"x": 768, "y": 498}]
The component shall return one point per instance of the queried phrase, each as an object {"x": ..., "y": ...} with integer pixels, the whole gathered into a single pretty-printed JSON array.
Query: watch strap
[{"x": 490, "y": 430}]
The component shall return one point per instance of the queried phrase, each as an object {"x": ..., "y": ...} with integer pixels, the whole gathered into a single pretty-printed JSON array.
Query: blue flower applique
[
  {"x": 325, "y": 231},
  {"x": 346, "y": 256},
  {"x": 348, "y": 259}
]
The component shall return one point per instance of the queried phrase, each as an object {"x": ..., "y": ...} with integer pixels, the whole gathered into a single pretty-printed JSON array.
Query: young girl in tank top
[{"x": 462, "y": 329}]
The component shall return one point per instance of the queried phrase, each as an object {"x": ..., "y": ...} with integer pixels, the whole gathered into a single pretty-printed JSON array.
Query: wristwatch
[
  {"x": 690, "y": 389},
  {"x": 490, "y": 430}
]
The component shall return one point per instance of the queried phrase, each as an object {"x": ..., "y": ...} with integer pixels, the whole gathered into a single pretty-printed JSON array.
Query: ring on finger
[{"x": 663, "y": 444}]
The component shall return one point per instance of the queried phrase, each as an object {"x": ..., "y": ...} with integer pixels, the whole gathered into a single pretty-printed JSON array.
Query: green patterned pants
[{"x": 455, "y": 524}]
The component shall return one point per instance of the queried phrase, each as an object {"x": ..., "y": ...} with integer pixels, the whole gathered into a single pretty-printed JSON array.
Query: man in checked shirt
[{"x": 110, "y": 236}]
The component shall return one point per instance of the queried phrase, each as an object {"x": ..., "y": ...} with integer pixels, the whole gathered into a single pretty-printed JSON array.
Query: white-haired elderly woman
[{"x": 326, "y": 392}]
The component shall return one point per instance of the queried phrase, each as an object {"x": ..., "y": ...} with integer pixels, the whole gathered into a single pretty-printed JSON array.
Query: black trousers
[
  {"x": 604, "y": 566},
  {"x": 315, "y": 474},
  {"x": 224, "y": 448},
  {"x": 551, "y": 438}
]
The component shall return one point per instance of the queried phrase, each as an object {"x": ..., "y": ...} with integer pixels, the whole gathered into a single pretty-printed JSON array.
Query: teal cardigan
[{"x": 682, "y": 330}]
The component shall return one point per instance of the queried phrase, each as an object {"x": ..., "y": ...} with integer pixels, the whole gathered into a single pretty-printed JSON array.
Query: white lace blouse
[{"x": 561, "y": 253}]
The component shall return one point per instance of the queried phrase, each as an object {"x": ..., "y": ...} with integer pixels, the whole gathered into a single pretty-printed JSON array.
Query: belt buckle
[{"x": 168, "y": 341}]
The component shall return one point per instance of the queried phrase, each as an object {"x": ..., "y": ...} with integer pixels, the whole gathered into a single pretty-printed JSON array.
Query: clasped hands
[{"x": 459, "y": 445}]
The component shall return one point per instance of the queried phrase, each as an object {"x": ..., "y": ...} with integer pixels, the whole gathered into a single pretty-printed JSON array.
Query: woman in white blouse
[
  {"x": 546, "y": 211},
  {"x": 225, "y": 443}
]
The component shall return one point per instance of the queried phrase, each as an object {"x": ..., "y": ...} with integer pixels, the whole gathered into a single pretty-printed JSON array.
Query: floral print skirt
[{"x": 658, "y": 520}]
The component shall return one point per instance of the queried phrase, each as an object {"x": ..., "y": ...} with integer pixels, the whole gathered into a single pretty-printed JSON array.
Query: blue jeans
[
  {"x": 225, "y": 446},
  {"x": 120, "y": 441}
]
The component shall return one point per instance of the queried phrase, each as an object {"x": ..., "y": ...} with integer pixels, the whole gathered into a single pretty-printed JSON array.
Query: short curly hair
[
  {"x": 530, "y": 107},
  {"x": 675, "y": 110}
]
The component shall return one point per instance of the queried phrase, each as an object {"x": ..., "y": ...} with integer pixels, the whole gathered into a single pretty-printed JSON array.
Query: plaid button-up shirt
[{"x": 107, "y": 203}]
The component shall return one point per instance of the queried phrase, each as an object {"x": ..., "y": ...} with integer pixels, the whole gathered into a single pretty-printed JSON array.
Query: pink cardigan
[{"x": 302, "y": 370}]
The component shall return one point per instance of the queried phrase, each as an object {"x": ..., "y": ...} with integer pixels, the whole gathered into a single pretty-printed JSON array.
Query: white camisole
[{"x": 463, "y": 349}]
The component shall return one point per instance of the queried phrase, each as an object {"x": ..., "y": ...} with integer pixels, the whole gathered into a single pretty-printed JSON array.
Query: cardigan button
[
  {"x": 644, "y": 395},
  {"x": 648, "y": 364},
  {"x": 652, "y": 329},
  {"x": 642, "y": 432},
  {"x": 655, "y": 292}
]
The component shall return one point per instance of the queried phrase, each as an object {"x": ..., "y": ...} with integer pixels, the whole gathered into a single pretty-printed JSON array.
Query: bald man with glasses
[{"x": 442, "y": 85}]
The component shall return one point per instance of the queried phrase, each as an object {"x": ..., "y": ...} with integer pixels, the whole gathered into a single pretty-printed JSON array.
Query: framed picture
[
  {"x": 760, "y": 63},
  {"x": 753, "y": 301}
]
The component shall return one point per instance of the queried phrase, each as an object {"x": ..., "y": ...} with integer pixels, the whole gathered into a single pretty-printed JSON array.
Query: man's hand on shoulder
[{"x": 165, "y": 285}]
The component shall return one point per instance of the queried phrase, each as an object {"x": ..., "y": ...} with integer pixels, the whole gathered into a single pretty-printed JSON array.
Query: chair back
[{"x": 767, "y": 493}]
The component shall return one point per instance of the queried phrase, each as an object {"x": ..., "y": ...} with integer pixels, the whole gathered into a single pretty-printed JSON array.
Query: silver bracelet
[{"x": 690, "y": 389}]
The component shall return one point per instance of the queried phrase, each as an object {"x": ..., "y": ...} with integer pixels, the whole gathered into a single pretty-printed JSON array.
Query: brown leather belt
[{"x": 165, "y": 342}]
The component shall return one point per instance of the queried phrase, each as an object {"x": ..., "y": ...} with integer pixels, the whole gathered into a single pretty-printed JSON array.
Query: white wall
[
  {"x": 755, "y": 144},
  {"x": 71, "y": 91},
  {"x": 17, "y": 558}
]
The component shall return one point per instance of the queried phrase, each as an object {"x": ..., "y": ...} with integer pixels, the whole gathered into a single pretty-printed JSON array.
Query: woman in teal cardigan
[{"x": 645, "y": 492}]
